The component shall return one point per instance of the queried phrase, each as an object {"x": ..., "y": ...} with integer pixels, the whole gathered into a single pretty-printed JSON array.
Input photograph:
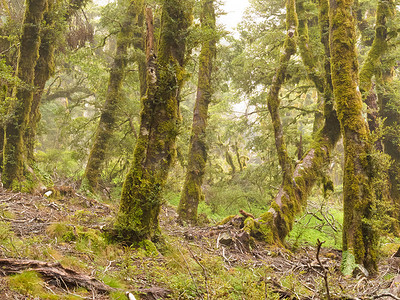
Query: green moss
[
  {"x": 27, "y": 283},
  {"x": 261, "y": 229},
  {"x": 348, "y": 263},
  {"x": 149, "y": 247},
  {"x": 226, "y": 220}
]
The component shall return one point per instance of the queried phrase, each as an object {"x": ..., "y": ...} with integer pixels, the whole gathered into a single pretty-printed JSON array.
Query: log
[{"x": 53, "y": 273}]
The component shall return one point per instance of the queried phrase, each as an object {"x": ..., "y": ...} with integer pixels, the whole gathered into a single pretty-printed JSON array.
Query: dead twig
[{"x": 324, "y": 270}]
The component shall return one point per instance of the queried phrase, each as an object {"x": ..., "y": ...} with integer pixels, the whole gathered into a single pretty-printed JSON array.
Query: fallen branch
[{"x": 54, "y": 273}]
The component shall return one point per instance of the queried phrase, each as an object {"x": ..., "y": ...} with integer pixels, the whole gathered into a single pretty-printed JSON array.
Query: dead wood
[
  {"x": 53, "y": 273},
  {"x": 246, "y": 214}
]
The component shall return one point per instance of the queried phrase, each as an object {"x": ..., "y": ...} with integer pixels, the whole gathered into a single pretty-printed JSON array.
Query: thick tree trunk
[
  {"x": 191, "y": 193},
  {"x": 141, "y": 200},
  {"x": 13, "y": 163},
  {"x": 373, "y": 67},
  {"x": 359, "y": 238},
  {"x": 274, "y": 225},
  {"x": 113, "y": 96}
]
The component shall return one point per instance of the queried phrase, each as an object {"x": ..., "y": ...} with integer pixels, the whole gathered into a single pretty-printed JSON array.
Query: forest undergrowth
[{"x": 64, "y": 232}]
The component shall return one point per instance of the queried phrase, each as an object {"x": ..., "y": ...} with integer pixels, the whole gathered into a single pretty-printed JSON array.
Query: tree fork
[{"x": 273, "y": 226}]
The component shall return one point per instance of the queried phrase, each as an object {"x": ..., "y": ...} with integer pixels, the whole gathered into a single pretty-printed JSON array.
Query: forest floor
[{"x": 57, "y": 249}]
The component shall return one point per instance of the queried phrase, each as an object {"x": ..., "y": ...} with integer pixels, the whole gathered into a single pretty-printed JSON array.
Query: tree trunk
[
  {"x": 13, "y": 156},
  {"x": 141, "y": 200},
  {"x": 274, "y": 225},
  {"x": 45, "y": 67},
  {"x": 359, "y": 238},
  {"x": 110, "y": 108},
  {"x": 287, "y": 204},
  {"x": 191, "y": 192}
]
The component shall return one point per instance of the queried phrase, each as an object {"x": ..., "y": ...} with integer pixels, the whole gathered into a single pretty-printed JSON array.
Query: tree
[
  {"x": 54, "y": 19},
  {"x": 13, "y": 156},
  {"x": 359, "y": 237},
  {"x": 191, "y": 192},
  {"x": 110, "y": 108},
  {"x": 274, "y": 225},
  {"x": 137, "y": 219}
]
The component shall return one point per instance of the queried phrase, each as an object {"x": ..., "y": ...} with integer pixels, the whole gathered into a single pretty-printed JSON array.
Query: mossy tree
[
  {"x": 375, "y": 77},
  {"x": 359, "y": 237},
  {"x": 110, "y": 108},
  {"x": 274, "y": 225},
  {"x": 54, "y": 21},
  {"x": 137, "y": 219},
  {"x": 191, "y": 192},
  {"x": 13, "y": 156}
]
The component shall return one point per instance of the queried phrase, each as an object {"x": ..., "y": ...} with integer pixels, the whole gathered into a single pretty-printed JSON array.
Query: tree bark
[
  {"x": 274, "y": 225},
  {"x": 137, "y": 219},
  {"x": 191, "y": 192},
  {"x": 359, "y": 238},
  {"x": 45, "y": 66},
  {"x": 13, "y": 156},
  {"x": 113, "y": 96}
]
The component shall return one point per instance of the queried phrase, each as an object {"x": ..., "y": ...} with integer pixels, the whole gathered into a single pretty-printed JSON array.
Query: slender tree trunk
[
  {"x": 273, "y": 225},
  {"x": 45, "y": 67},
  {"x": 191, "y": 192},
  {"x": 13, "y": 156},
  {"x": 359, "y": 238},
  {"x": 140, "y": 205},
  {"x": 113, "y": 98},
  {"x": 288, "y": 204},
  {"x": 3, "y": 95}
]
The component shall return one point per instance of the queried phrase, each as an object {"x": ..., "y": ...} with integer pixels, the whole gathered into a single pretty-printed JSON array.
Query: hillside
[{"x": 65, "y": 233}]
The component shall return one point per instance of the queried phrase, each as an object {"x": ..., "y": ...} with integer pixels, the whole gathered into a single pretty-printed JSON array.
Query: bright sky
[{"x": 233, "y": 8}]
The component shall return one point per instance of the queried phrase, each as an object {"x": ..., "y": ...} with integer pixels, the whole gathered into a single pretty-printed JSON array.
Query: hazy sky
[{"x": 234, "y": 10}]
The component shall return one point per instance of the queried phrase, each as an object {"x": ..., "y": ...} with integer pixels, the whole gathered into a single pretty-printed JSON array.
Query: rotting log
[{"x": 53, "y": 273}]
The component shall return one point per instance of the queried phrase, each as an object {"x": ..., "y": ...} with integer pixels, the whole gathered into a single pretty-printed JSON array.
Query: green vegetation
[{"x": 168, "y": 156}]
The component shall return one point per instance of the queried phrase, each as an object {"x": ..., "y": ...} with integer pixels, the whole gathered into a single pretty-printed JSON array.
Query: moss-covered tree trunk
[
  {"x": 45, "y": 65},
  {"x": 191, "y": 192},
  {"x": 13, "y": 156},
  {"x": 287, "y": 205},
  {"x": 359, "y": 238},
  {"x": 137, "y": 219},
  {"x": 109, "y": 111},
  {"x": 274, "y": 225},
  {"x": 375, "y": 95}
]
